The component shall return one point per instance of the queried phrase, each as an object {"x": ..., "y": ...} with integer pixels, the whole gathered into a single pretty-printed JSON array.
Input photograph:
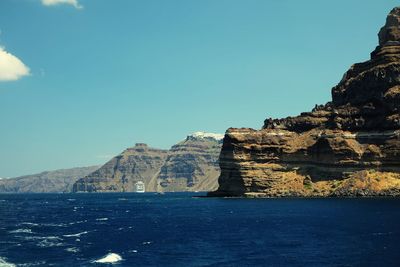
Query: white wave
[
  {"x": 102, "y": 219},
  {"x": 76, "y": 208},
  {"x": 379, "y": 233},
  {"x": 77, "y": 235},
  {"x": 21, "y": 231},
  {"x": 73, "y": 250},
  {"x": 29, "y": 223},
  {"x": 109, "y": 258},
  {"x": 48, "y": 244},
  {"x": 36, "y": 263},
  {"x": 42, "y": 238},
  {"x": 54, "y": 224},
  {"x": 44, "y": 224},
  {"x": 78, "y": 222},
  {"x": 50, "y": 241},
  {"x": 52, "y": 237},
  {"x": 3, "y": 263},
  {"x": 146, "y": 243},
  {"x": 71, "y": 199}
]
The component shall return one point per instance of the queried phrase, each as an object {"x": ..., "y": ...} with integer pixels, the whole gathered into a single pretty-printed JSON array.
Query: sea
[{"x": 184, "y": 229}]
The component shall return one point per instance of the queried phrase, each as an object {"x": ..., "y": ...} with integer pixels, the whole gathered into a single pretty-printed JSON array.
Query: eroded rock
[
  {"x": 347, "y": 147},
  {"x": 190, "y": 165}
]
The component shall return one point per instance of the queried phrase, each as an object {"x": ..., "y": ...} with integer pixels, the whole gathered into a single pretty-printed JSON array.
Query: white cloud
[
  {"x": 11, "y": 67},
  {"x": 74, "y": 3}
]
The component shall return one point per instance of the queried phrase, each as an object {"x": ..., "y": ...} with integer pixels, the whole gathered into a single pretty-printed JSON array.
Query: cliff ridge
[
  {"x": 190, "y": 165},
  {"x": 347, "y": 147}
]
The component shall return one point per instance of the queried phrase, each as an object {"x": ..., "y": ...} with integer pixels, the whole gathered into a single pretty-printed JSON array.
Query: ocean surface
[{"x": 178, "y": 229}]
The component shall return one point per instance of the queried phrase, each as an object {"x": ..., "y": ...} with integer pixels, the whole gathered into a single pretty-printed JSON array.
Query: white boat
[{"x": 139, "y": 187}]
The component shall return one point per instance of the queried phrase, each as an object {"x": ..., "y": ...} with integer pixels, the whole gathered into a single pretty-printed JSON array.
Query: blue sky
[{"x": 102, "y": 75}]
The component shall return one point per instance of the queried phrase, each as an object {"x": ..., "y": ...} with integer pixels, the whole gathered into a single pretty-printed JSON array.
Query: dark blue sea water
[{"x": 179, "y": 230}]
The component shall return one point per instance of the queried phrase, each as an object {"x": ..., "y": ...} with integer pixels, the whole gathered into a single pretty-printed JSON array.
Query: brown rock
[
  {"x": 190, "y": 165},
  {"x": 347, "y": 147},
  {"x": 121, "y": 173},
  {"x": 391, "y": 32}
]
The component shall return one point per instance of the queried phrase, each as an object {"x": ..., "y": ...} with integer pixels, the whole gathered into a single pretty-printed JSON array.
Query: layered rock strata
[
  {"x": 191, "y": 165},
  {"x": 347, "y": 147},
  {"x": 121, "y": 173}
]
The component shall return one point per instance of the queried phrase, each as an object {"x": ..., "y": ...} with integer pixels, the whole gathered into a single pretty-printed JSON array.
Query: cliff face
[
  {"x": 347, "y": 147},
  {"x": 191, "y": 165},
  {"x": 120, "y": 174},
  {"x": 58, "y": 181}
]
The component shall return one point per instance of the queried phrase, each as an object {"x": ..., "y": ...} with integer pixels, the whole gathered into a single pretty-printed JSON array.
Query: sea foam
[
  {"x": 21, "y": 231},
  {"x": 29, "y": 223},
  {"x": 77, "y": 235},
  {"x": 110, "y": 258},
  {"x": 73, "y": 250},
  {"x": 49, "y": 244},
  {"x": 3, "y": 263}
]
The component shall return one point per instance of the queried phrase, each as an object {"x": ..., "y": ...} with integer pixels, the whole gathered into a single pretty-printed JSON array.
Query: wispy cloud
[
  {"x": 11, "y": 67},
  {"x": 74, "y": 3}
]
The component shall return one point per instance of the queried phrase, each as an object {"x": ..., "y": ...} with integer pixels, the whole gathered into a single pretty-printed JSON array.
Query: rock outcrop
[
  {"x": 191, "y": 165},
  {"x": 347, "y": 147}
]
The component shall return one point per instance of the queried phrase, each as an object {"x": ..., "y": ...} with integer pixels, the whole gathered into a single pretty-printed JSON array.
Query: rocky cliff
[
  {"x": 120, "y": 174},
  {"x": 347, "y": 147},
  {"x": 58, "y": 181},
  {"x": 191, "y": 165}
]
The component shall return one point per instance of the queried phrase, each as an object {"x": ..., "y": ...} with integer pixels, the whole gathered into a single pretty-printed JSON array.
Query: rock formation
[
  {"x": 120, "y": 174},
  {"x": 191, "y": 165},
  {"x": 347, "y": 147},
  {"x": 59, "y": 181}
]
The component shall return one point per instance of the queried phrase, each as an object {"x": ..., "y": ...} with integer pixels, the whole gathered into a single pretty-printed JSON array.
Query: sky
[{"x": 81, "y": 80}]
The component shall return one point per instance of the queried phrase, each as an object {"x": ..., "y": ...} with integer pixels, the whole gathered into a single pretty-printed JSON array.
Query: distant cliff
[
  {"x": 347, "y": 147},
  {"x": 138, "y": 163},
  {"x": 58, "y": 181},
  {"x": 191, "y": 165}
]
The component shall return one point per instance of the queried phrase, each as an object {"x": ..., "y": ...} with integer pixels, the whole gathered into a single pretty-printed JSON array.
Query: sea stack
[{"x": 347, "y": 147}]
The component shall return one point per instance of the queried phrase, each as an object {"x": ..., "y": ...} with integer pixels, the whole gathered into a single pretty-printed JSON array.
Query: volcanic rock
[
  {"x": 347, "y": 147},
  {"x": 120, "y": 174},
  {"x": 191, "y": 165},
  {"x": 58, "y": 181}
]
